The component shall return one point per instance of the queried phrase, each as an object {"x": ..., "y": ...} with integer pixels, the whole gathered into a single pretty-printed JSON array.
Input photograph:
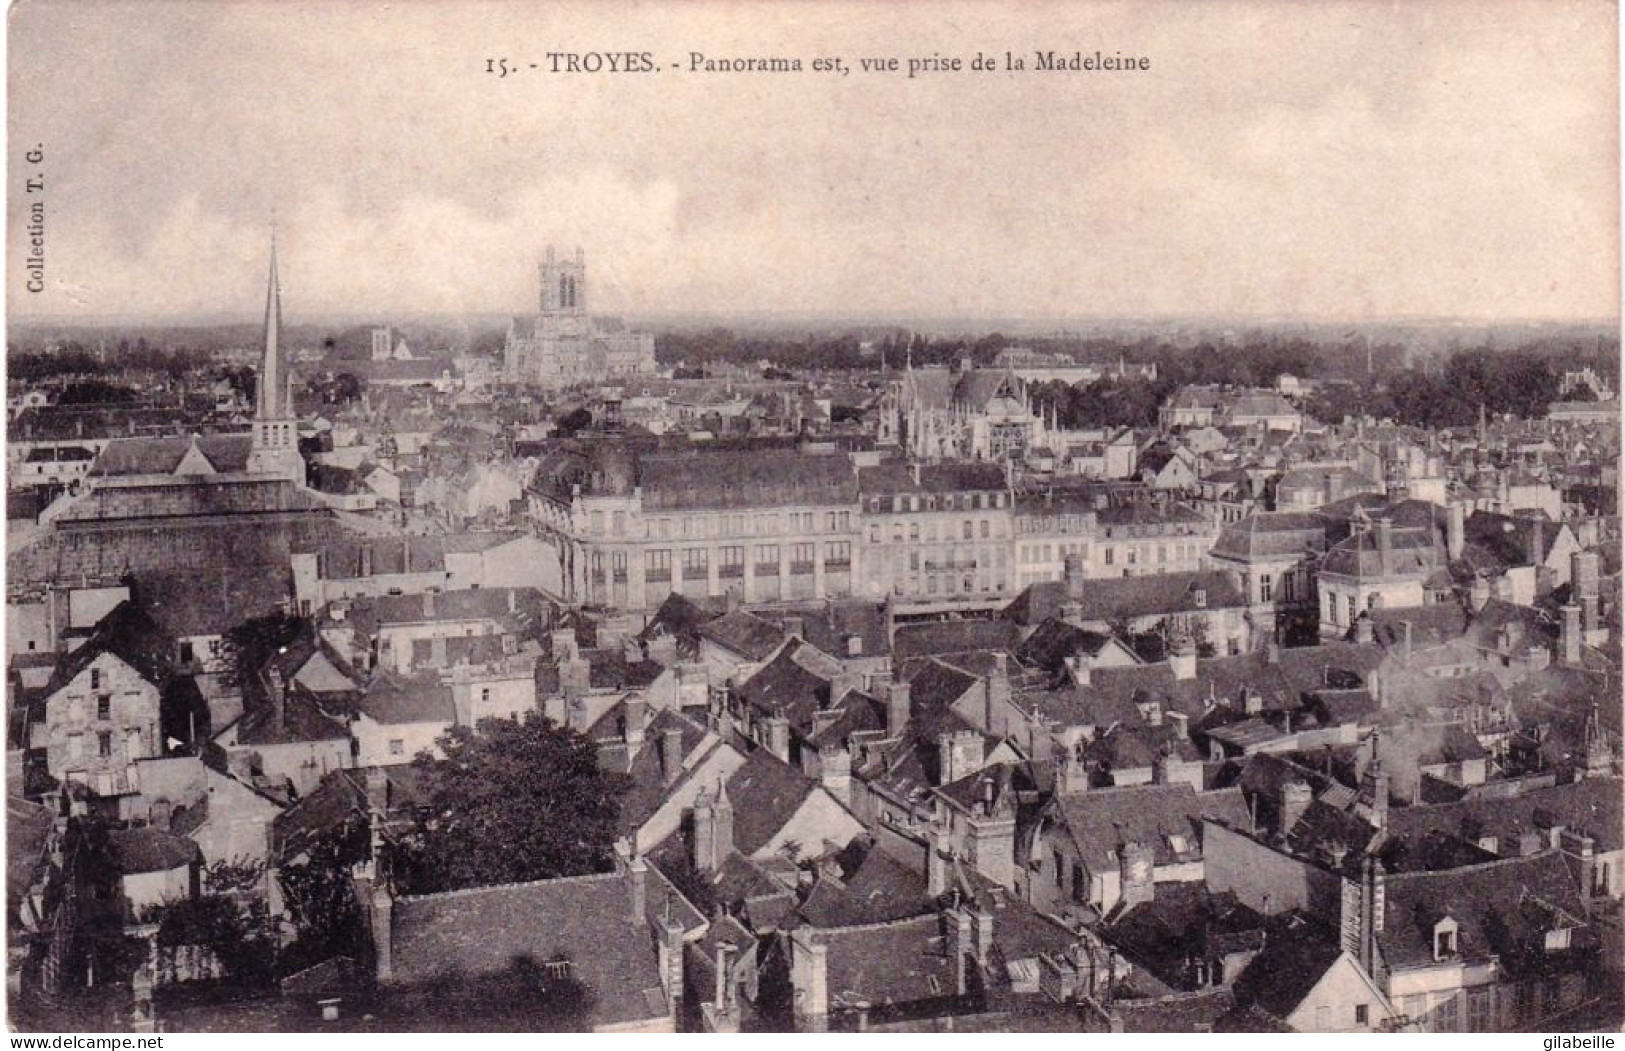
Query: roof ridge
[{"x": 466, "y": 891}]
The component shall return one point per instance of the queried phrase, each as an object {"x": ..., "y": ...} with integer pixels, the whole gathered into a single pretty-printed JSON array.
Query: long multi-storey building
[
  {"x": 631, "y": 527},
  {"x": 937, "y": 537}
]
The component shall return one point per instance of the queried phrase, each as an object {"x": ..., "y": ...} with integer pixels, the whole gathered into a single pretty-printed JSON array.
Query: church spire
[{"x": 271, "y": 393}]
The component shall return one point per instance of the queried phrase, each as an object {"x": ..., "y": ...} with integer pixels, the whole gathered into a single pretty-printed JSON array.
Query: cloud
[{"x": 1335, "y": 160}]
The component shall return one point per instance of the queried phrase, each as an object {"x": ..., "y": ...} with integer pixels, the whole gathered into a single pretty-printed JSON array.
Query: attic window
[
  {"x": 1444, "y": 938},
  {"x": 559, "y": 969},
  {"x": 1557, "y": 940},
  {"x": 1200, "y": 598},
  {"x": 1179, "y": 844}
]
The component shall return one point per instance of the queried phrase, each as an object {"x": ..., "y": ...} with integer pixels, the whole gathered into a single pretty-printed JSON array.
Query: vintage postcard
[{"x": 1094, "y": 517}]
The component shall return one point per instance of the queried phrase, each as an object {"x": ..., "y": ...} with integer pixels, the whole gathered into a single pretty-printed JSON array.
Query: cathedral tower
[
  {"x": 276, "y": 431},
  {"x": 564, "y": 284}
]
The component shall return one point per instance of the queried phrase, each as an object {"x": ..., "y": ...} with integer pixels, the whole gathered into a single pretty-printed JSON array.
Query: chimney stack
[
  {"x": 1385, "y": 545},
  {"x": 1456, "y": 531},
  {"x": 898, "y": 702},
  {"x": 1570, "y": 639},
  {"x": 671, "y": 754}
]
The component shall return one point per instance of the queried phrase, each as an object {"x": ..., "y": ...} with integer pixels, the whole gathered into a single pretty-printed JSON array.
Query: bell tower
[{"x": 564, "y": 283}]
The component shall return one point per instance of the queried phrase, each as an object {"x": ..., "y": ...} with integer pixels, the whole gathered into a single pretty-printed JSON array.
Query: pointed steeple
[
  {"x": 276, "y": 432},
  {"x": 272, "y": 382}
]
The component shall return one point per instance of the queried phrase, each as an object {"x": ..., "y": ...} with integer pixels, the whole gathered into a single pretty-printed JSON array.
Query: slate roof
[
  {"x": 743, "y": 633},
  {"x": 1130, "y": 597},
  {"x": 390, "y": 699},
  {"x": 1101, "y": 820},
  {"x": 898, "y": 479},
  {"x": 1055, "y": 641},
  {"x": 1294, "y": 959},
  {"x": 161, "y": 455},
  {"x": 830, "y": 625},
  {"x": 1270, "y": 535},
  {"x": 127, "y": 633},
  {"x": 893, "y": 963},
  {"x": 1412, "y": 552},
  {"x": 795, "y": 684},
  {"x": 1182, "y": 921},
  {"x": 1488, "y": 902},
  {"x": 28, "y": 830},
  {"x": 766, "y": 794},
  {"x": 585, "y": 919},
  {"x": 1508, "y": 539},
  {"x": 140, "y": 850},
  {"x": 1590, "y": 807}
]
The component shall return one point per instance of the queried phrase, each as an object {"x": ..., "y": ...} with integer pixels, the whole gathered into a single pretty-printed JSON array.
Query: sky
[{"x": 1278, "y": 159}]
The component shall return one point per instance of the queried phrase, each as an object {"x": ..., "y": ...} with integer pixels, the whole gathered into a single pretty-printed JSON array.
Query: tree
[
  {"x": 317, "y": 892},
  {"x": 510, "y": 802}
]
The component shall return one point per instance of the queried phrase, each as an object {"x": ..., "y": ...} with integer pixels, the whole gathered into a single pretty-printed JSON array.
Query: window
[
  {"x": 1109, "y": 554},
  {"x": 1444, "y": 938},
  {"x": 104, "y": 706},
  {"x": 874, "y": 532},
  {"x": 837, "y": 554},
  {"x": 1362, "y": 1014},
  {"x": 397, "y": 746},
  {"x": 104, "y": 744},
  {"x": 801, "y": 557},
  {"x": 1060, "y": 868},
  {"x": 1557, "y": 940},
  {"x": 657, "y": 564},
  {"x": 618, "y": 523},
  {"x": 696, "y": 562},
  {"x": 485, "y": 695},
  {"x": 968, "y": 530},
  {"x": 95, "y": 678},
  {"x": 617, "y": 565},
  {"x": 732, "y": 562},
  {"x": 1200, "y": 598},
  {"x": 1266, "y": 587},
  {"x": 767, "y": 560},
  {"x": 986, "y": 526}
]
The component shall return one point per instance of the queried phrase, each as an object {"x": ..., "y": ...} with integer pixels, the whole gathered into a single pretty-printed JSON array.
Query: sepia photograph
[{"x": 730, "y": 517}]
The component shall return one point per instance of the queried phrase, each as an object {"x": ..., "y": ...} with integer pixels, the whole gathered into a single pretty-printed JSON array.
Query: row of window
[
  {"x": 718, "y": 526},
  {"x": 104, "y": 743},
  {"x": 913, "y": 532},
  {"x": 696, "y": 561},
  {"x": 937, "y": 502}
]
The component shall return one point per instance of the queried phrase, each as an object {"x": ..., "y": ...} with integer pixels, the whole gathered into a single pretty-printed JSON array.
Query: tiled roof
[
  {"x": 1294, "y": 959},
  {"x": 959, "y": 636},
  {"x": 584, "y": 919}
]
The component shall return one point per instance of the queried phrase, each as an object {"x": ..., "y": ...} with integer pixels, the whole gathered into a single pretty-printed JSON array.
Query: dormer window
[
  {"x": 1199, "y": 596},
  {"x": 1557, "y": 940},
  {"x": 1444, "y": 938}
]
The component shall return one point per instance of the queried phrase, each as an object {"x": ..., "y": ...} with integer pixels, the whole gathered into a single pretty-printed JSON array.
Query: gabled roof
[
  {"x": 129, "y": 634},
  {"x": 138, "y": 456},
  {"x": 766, "y": 794}
]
